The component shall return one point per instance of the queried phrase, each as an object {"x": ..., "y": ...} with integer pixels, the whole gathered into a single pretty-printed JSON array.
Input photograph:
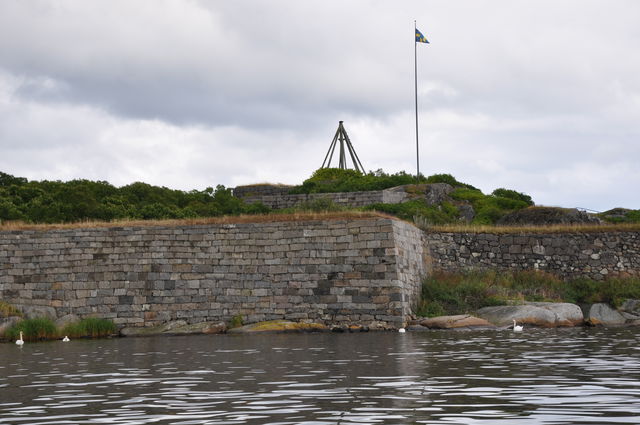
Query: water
[{"x": 587, "y": 376}]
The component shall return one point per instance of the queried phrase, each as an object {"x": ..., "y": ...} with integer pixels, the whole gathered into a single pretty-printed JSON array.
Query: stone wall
[
  {"x": 568, "y": 255},
  {"x": 364, "y": 271},
  {"x": 278, "y": 198}
]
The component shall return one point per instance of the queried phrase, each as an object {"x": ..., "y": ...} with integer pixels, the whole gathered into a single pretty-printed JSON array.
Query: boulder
[
  {"x": 455, "y": 322},
  {"x": 602, "y": 314},
  {"x": 547, "y": 315},
  {"x": 280, "y": 326},
  {"x": 631, "y": 306}
]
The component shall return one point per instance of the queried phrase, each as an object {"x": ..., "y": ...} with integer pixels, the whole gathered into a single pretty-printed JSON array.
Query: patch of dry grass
[
  {"x": 264, "y": 218},
  {"x": 555, "y": 228}
]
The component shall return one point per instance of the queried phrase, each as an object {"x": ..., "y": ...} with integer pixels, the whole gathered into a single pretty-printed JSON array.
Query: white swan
[
  {"x": 65, "y": 339},
  {"x": 517, "y": 328},
  {"x": 20, "y": 341},
  {"x": 401, "y": 330}
]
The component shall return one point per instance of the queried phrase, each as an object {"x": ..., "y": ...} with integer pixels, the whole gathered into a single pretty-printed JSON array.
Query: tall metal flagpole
[{"x": 415, "y": 57}]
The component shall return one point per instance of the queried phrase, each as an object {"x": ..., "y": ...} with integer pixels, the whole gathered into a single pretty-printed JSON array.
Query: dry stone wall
[
  {"x": 275, "y": 198},
  {"x": 594, "y": 255},
  {"x": 364, "y": 271}
]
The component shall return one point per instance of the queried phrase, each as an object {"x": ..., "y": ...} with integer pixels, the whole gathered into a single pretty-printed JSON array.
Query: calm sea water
[{"x": 586, "y": 376}]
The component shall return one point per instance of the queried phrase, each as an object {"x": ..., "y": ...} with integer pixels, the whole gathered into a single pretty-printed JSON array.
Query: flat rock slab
[
  {"x": 547, "y": 315},
  {"x": 455, "y": 322},
  {"x": 279, "y": 326},
  {"x": 177, "y": 327}
]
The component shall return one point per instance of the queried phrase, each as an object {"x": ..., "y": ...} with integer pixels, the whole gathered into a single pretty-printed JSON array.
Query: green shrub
[
  {"x": 434, "y": 214},
  {"x": 33, "y": 329},
  {"x": 236, "y": 321},
  {"x": 90, "y": 327},
  {"x": 512, "y": 194},
  {"x": 449, "y": 179}
]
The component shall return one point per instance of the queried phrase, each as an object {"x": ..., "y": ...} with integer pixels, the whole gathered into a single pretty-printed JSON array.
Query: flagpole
[{"x": 415, "y": 58}]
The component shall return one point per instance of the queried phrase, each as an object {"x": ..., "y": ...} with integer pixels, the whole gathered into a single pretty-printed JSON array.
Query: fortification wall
[
  {"x": 278, "y": 199},
  {"x": 594, "y": 255},
  {"x": 363, "y": 271}
]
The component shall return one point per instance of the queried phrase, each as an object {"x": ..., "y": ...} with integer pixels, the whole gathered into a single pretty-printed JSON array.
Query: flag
[{"x": 420, "y": 38}]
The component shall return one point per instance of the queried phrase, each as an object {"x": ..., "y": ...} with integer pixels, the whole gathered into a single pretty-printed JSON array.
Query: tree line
[{"x": 78, "y": 200}]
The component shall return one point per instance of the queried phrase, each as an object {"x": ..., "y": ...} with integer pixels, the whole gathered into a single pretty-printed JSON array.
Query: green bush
[
  {"x": 457, "y": 293},
  {"x": 33, "y": 329},
  {"x": 434, "y": 214},
  {"x": 449, "y": 179},
  {"x": 90, "y": 327},
  {"x": 236, "y": 321},
  {"x": 512, "y": 194}
]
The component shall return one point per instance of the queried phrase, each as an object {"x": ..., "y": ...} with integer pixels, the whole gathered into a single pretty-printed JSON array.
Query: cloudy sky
[{"x": 538, "y": 96}]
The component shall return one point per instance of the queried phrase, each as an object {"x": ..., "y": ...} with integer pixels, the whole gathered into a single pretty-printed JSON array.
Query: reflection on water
[{"x": 485, "y": 377}]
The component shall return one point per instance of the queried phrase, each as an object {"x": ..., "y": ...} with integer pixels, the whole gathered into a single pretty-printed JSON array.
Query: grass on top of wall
[
  {"x": 555, "y": 228},
  {"x": 290, "y": 216},
  {"x": 458, "y": 293}
]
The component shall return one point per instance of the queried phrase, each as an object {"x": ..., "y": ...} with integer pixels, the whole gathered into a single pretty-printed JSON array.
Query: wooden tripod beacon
[{"x": 343, "y": 138}]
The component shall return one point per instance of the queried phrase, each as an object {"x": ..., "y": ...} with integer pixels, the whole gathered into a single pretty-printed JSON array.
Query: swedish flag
[{"x": 420, "y": 38}]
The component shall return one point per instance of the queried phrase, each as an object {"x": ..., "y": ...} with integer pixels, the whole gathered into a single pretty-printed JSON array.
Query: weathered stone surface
[
  {"x": 281, "y": 326},
  {"x": 548, "y": 215},
  {"x": 200, "y": 328},
  {"x": 359, "y": 271},
  {"x": 7, "y": 322},
  {"x": 153, "y": 330},
  {"x": 457, "y": 321},
  {"x": 66, "y": 320},
  {"x": 548, "y": 315},
  {"x": 631, "y": 306},
  {"x": 39, "y": 311},
  {"x": 603, "y": 314}
]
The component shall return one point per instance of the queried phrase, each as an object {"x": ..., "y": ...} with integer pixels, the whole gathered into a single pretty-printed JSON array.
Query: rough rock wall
[
  {"x": 279, "y": 200},
  {"x": 337, "y": 271},
  {"x": 567, "y": 255}
]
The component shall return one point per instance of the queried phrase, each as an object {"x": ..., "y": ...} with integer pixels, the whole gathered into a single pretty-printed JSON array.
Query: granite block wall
[
  {"x": 363, "y": 271},
  {"x": 594, "y": 255},
  {"x": 275, "y": 198}
]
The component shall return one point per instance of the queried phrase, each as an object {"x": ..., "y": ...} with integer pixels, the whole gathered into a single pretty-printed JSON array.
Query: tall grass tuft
[
  {"x": 33, "y": 329},
  {"x": 90, "y": 327}
]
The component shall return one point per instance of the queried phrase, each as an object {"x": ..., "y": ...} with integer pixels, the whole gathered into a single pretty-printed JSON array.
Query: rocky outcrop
[
  {"x": 547, "y": 315},
  {"x": 601, "y": 314},
  {"x": 455, "y": 322},
  {"x": 177, "y": 327},
  {"x": 548, "y": 215},
  {"x": 280, "y": 326}
]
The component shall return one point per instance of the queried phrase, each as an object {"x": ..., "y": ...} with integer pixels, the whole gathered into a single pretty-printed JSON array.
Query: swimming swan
[
  {"x": 20, "y": 341},
  {"x": 517, "y": 328},
  {"x": 401, "y": 330},
  {"x": 65, "y": 339}
]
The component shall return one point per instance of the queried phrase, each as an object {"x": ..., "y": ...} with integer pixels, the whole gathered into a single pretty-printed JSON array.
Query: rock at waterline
[
  {"x": 546, "y": 315},
  {"x": 279, "y": 326},
  {"x": 455, "y": 322},
  {"x": 177, "y": 327},
  {"x": 601, "y": 314}
]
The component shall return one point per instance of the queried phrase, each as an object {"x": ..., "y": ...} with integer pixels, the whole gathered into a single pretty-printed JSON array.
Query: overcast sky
[{"x": 538, "y": 96}]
